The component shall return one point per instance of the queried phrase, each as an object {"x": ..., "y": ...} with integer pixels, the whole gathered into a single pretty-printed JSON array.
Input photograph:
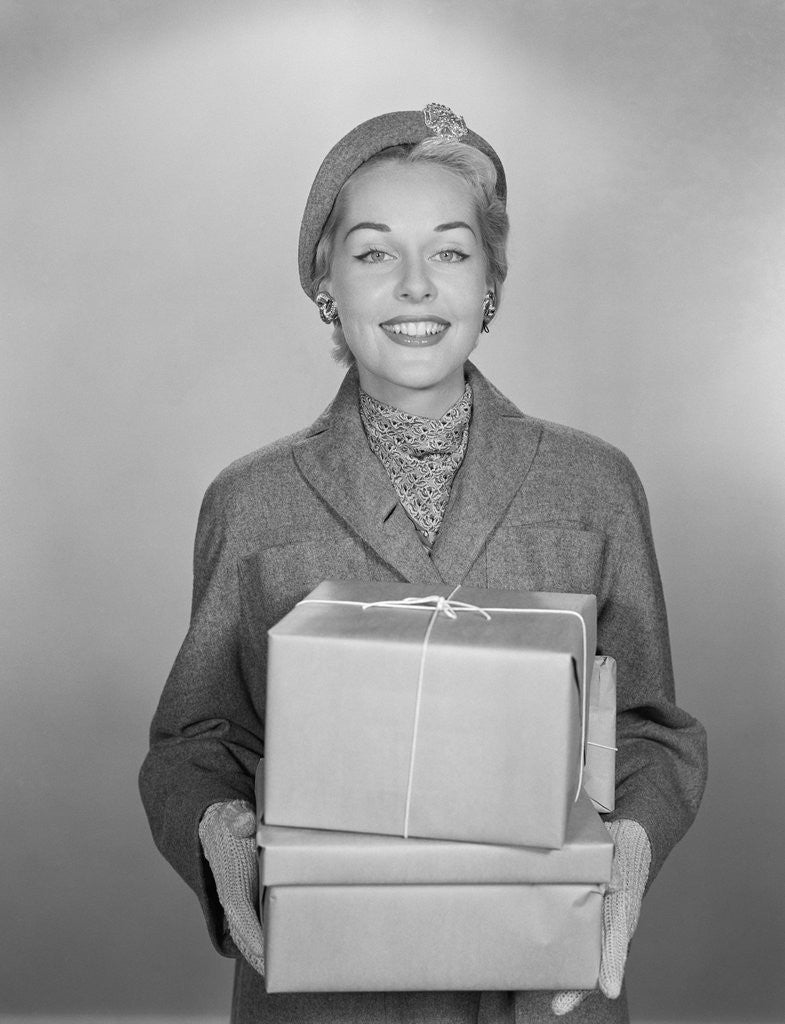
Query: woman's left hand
[{"x": 620, "y": 910}]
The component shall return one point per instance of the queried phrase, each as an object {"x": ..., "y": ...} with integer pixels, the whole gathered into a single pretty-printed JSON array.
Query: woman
[{"x": 420, "y": 470}]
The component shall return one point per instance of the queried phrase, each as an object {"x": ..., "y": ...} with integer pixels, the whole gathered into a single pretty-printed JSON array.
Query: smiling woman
[
  {"x": 419, "y": 471},
  {"x": 470, "y": 174}
]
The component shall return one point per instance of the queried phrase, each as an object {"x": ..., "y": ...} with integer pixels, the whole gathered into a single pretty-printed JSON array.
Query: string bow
[{"x": 439, "y": 604}]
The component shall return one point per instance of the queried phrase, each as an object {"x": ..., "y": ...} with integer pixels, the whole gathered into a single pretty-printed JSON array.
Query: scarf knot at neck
[{"x": 421, "y": 455}]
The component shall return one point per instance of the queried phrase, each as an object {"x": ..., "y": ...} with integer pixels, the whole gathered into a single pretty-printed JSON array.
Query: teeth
[{"x": 417, "y": 329}]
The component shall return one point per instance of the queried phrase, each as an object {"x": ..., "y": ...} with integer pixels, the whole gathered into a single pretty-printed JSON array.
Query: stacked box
[
  {"x": 470, "y": 719},
  {"x": 357, "y": 912},
  {"x": 462, "y": 723}
]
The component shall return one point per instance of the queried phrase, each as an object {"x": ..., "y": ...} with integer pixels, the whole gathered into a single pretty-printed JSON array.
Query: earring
[
  {"x": 328, "y": 311},
  {"x": 488, "y": 310}
]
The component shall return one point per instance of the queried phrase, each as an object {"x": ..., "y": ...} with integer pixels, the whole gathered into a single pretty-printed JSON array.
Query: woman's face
[{"x": 409, "y": 275}]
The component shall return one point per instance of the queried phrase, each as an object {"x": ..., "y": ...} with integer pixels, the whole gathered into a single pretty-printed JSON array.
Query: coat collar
[{"x": 336, "y": 460}]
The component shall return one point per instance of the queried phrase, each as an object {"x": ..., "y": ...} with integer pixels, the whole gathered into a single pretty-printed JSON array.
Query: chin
[{"x": 427, "y": 378}]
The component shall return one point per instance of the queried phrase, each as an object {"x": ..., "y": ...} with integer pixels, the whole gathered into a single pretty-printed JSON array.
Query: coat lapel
[
  {"x": 502, "y": 446},
  {"x": 338, "y": 463}
]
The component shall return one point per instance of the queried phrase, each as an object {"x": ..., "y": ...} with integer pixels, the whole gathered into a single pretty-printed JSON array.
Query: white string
[
  {"x": 591, "y": 743},
  {"x": 442, "y": 604},
  {"x": 449, "y": 607}
]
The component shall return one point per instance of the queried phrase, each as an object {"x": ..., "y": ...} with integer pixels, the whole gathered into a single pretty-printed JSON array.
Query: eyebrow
[
  {"x": 370, "y": 225},
  {"x": 454, "y": 224},
  {"x": 367, "y": 224}
]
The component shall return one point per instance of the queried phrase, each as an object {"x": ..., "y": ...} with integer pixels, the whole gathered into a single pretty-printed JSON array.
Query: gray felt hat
[{"x": 365, "y": 141}]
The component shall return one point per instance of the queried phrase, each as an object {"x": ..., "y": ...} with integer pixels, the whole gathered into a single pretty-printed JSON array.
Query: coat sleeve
[
  {"x": 206, "y": 737},
  {"x": 661, "y": 760}
]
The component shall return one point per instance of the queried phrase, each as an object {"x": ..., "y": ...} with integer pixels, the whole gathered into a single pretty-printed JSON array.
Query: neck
[{"x": 432, "y": 402}]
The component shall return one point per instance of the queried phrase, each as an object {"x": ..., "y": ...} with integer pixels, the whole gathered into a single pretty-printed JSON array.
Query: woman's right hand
[{"x": 227, "y": 831}]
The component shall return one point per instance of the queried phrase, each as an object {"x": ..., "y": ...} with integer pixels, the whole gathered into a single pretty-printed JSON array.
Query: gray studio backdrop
[{"x": 155, "y": 160}]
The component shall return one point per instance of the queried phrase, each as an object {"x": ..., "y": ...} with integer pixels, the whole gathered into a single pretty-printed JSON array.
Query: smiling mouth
[{"x": 415, "y": 332}]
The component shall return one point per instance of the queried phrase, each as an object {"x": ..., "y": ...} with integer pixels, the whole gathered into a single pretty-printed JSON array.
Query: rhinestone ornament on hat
[
  {"x": 421, "y": 455},
  {"x": 443, "y": 122}
]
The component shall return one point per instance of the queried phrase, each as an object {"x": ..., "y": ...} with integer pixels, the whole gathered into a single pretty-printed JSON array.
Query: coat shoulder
[
  {"x": 566, "y": 449},
  {"x": 263, "y": 478},
  {"x": 269, "y": 457},
  {"x": 582, "y": 454}
]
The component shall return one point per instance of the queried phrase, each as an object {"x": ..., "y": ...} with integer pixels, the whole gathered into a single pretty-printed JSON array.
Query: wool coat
[{"x": 534, "y": 506}]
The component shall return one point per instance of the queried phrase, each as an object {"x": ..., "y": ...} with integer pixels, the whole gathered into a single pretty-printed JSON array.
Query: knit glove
[
  {"x": 620, "y": 910},
  {"x": 227, "y": 831}
]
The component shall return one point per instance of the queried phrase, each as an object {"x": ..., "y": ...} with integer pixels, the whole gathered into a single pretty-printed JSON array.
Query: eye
[
  {"x": 450, "y": 256},
  {"x": 374, "y": 256}
]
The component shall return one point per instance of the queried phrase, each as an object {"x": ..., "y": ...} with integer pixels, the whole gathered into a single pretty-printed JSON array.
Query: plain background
[{"x": 156, "y": 156}]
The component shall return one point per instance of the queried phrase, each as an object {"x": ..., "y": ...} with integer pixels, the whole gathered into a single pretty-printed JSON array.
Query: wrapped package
[
  {"x": 356, "y": 912},
  {"x": 599, "y": 773},
  {"x": 393, "y": 710}
]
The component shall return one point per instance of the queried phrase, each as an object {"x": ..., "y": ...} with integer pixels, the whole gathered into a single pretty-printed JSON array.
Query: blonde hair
[{"x": 475, "y": 168}]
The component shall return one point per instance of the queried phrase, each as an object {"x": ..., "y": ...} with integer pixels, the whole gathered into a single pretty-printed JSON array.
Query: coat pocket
[
  {"x": 274, "y": 579},
  {"x": 550, "y": 558}
]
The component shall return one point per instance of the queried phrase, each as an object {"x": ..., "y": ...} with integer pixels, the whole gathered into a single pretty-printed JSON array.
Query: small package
[
  {"x": 456, "y": 715},
  {"x": 599, "y": 773}
]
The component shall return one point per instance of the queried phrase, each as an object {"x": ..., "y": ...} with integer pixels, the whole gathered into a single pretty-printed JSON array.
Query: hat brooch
[{"x": 443, "y": 122}]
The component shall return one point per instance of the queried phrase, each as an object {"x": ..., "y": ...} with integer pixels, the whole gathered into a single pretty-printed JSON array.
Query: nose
[{"x": 415, "y": 283}]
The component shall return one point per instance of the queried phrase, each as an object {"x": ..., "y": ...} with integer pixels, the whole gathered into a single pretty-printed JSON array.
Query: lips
[{"x": 415, "y": 330}]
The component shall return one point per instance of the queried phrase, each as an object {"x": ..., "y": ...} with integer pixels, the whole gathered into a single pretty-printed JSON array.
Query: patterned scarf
[{"x": 421, "y": 455}]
